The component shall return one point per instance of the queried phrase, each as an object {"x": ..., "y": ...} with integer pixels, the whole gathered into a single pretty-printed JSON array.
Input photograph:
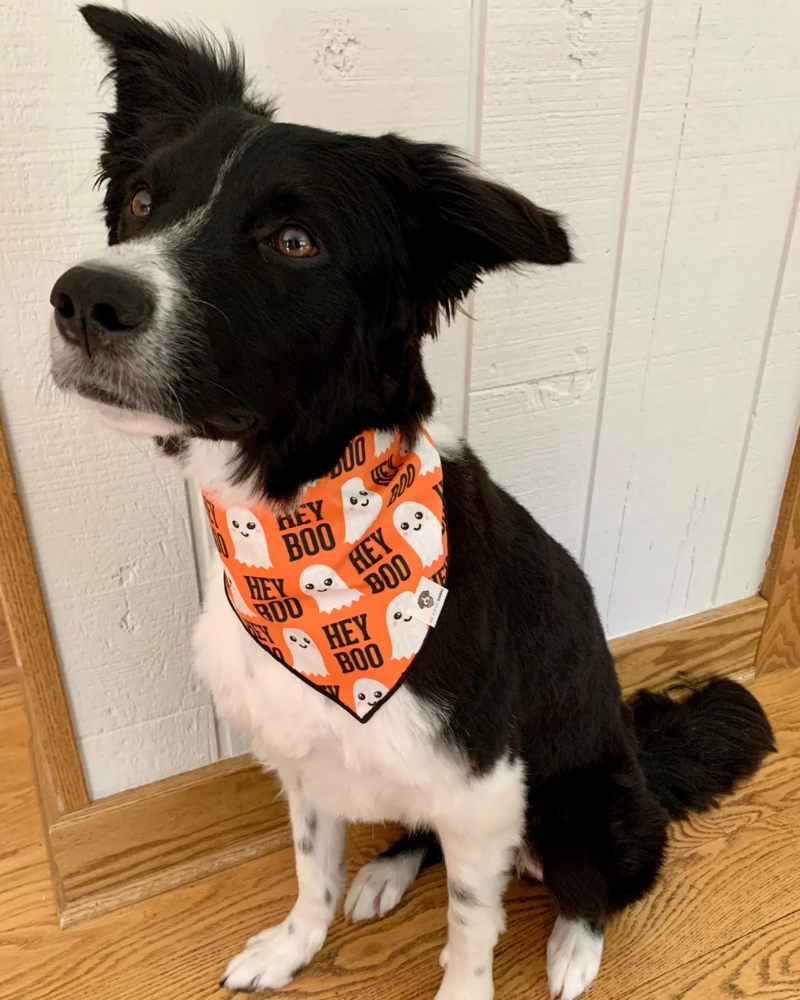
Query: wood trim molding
[
  {"x": 779, "y": 647},
  {"x": 57, "y": 761},
  {"x": 721, "y": 642},
  {"x": 165, "y": 834},
  {"x": 142, "y": 842},
  {"x": 789, "y": 499}
]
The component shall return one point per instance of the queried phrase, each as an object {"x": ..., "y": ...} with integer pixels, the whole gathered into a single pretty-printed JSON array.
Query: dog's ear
[
  {"x": 461, "y": 226},
  {"x": 165, "y": 82}
]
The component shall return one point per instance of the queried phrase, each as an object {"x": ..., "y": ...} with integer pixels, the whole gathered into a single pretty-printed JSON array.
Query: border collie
[{"x": 262, "y": 306}]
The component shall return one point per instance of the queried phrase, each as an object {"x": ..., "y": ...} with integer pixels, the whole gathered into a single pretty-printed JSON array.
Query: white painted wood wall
[{"x": 642, "y": 403}]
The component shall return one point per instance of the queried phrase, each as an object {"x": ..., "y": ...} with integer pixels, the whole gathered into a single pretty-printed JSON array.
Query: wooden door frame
[{"x": 113, "y": 851}]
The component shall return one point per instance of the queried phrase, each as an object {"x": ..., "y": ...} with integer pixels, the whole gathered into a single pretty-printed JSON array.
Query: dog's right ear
[{"x": 166, "y": 81}]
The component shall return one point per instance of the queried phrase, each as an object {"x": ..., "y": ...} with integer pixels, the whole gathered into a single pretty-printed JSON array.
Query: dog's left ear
[
  {"x": 460, "y": 226},
  {"x": 165, "y": 83}
]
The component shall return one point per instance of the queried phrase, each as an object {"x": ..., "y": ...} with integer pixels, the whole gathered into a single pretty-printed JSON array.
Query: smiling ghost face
[
  {"x": 327, "y": 588},
  {"x": 368, "y": 693},
  {"x": 421, "y": 529},
  {"x": 407, "y": 633},
  {"x": 249, "y": 541},
  {"x": 306, "y": 657},
  {"x": 361, "y": 506}
]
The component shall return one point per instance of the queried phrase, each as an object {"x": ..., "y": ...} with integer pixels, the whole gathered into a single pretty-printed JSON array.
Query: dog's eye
[
  {"x": 292, "y": 241},
  {"x": 142, "y": 203}
]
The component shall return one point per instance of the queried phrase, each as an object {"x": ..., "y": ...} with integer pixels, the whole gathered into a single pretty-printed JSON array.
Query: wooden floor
[{"x": 724, "y": 921}]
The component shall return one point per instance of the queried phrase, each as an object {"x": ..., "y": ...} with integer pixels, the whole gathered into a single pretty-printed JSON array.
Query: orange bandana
[{"x": 343, "y": 588}]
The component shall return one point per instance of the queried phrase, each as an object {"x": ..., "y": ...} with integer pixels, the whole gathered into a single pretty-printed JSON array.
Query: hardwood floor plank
[
  {"x": 722, "y": 923},
  {"x": 763, "y": 965}
]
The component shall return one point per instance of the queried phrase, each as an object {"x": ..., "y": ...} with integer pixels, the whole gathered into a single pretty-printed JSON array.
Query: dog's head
[{"x": 265, "y": 282}]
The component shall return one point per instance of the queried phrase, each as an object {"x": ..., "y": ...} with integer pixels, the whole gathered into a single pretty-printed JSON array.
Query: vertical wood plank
[
  {"x": 779, "y": 646},
  {"x": 57, "y": 761},
  {"x": 558, "y": 80},
  {"x": 712, "y": 187},
  {"x": 783, "y": 525},
  {"x": 759, "y": 502}
]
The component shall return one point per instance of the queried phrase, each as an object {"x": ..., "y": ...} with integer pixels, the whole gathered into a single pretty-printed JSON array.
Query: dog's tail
[{"x": 697, "y": 748}]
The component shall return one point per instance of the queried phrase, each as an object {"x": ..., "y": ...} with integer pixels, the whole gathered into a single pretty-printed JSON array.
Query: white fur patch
[
  {"x": 136, "y": 422},
  {"x": 573, "y": 958},
  {"x": 447, "y": 442},
  {"x": 379, "y": 886},
  {"x": 272, "y": 957}
]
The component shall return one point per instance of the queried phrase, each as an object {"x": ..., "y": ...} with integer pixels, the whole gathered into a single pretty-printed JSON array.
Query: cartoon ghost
[
  {"x": 407, "y": 632},
  {"x": 367, "y": 694},
  {"x": 248, "y": 538},
  {"x": 327, "y": 588},
  {"x": 361, "y": 507},
  {"x": 238, "y": 600},
  {"x": 421, "y": 529},
  {"x": 383, "y": 441},
  {"x": 305, "y": 656},
  {"x": 426, "y": 453}
]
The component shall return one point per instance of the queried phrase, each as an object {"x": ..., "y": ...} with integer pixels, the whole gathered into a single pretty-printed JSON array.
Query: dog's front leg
[
  {"x": 478, "y": 856},
  {"x": 273, "y": 957}
]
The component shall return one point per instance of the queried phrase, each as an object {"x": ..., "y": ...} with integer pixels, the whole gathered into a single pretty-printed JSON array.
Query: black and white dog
[{"x": 264, "y": 299}]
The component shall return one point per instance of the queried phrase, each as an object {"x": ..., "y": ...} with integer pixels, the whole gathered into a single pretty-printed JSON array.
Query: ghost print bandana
[{"x": 338, "y": 588}]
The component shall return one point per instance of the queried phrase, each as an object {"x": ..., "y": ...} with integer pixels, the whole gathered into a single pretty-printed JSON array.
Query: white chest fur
[{"x": 390, "y": 768}]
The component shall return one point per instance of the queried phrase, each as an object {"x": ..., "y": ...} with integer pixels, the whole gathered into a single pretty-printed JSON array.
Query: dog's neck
[
  {"x": 274, "y": 463},
  {"x": 215, "y": 465}
]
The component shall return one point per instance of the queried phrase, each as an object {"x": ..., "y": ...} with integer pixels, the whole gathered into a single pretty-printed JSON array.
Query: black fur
[
  {"x": 293, "y": 358},
  {"x": 303, "y": 354},
  {"x": 695, "y": 750}
]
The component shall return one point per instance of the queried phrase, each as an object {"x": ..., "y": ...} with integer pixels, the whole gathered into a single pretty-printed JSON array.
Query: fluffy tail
[{"x": 694, "y": 750}]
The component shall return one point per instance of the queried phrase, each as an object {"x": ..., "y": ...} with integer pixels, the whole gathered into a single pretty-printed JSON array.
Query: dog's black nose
[{"x": 96, "y": 307}]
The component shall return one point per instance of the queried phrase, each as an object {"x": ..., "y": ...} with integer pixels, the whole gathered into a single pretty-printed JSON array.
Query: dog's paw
[
  {"x": 472, "y": 984},
  {"x": 379, "y": 886},
  {"x": 273, "y": 958},
  {"x": 573, "y": 958}
]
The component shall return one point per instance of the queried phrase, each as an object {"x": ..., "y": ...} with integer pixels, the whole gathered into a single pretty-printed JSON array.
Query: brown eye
[
  {"x": 142, "y": 203},
  {"x": 295, "y": 242}
]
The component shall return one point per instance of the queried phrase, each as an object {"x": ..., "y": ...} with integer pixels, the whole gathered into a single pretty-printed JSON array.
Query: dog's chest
[{"x": 389, "y": 768}]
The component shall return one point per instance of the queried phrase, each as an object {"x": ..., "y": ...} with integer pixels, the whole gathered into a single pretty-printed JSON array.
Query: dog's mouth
[
  {"x": 118, "y": 410},
  {"x": 118, "y": 382}
]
